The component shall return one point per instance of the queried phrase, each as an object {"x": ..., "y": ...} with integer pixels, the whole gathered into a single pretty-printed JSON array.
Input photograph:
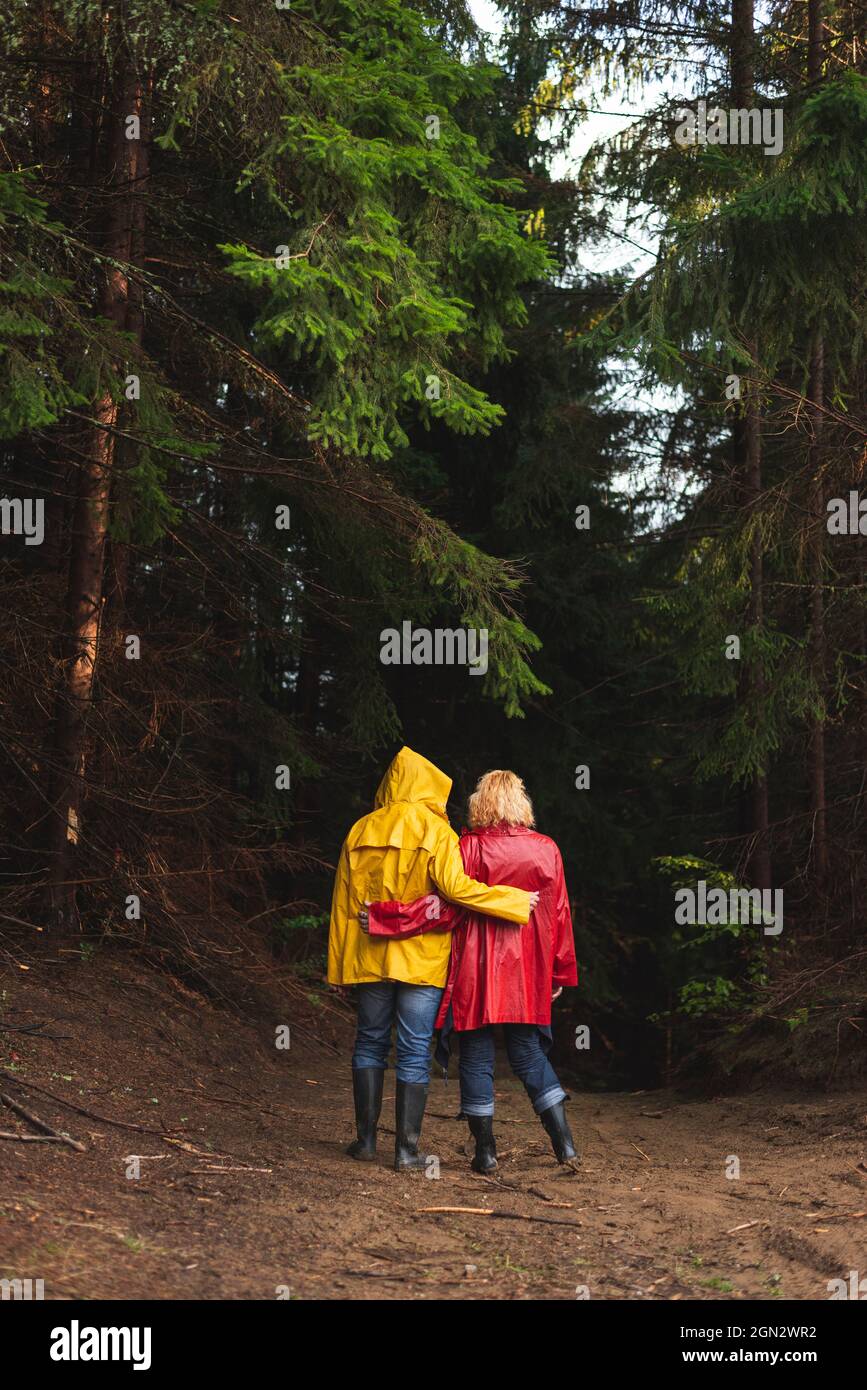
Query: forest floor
[{"x": 245, "y": 1191}]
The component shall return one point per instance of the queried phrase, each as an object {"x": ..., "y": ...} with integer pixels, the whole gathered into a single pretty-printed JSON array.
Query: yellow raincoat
[{"x": 403, "y": 849}]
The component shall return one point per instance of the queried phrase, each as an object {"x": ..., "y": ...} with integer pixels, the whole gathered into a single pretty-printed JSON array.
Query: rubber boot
[
  {"x": 482, "y": 1130},
  {"x": 367, "y": 1090},
  {"x": 410, "y": 1102},
  {"x": 555, "y": 1122}
]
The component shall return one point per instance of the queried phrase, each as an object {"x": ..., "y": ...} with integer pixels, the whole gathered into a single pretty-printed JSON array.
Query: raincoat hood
[{"x": 410, "y": 777}]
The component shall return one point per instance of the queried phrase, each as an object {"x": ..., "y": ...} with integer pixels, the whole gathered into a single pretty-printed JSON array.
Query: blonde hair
[{"x": 500, "y": 796}]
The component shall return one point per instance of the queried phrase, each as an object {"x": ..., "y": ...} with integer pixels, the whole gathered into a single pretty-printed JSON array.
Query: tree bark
[
  {"x": 816, "y": 510},
  {"x": 815, "y": 39},
  {"x": 119, "y": 562},
  {"x": 760, "y": 857},
  {"x": 308, "y": 695},
  {"x": 748, "y": 461},
  {"x": 742, "y": 53},
  {"x": 817, "y": 643},
  {"x": 85, "y": 591}
]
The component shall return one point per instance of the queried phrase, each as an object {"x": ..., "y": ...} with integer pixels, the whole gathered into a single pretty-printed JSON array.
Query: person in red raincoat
[{"x": 500, "y": 973}]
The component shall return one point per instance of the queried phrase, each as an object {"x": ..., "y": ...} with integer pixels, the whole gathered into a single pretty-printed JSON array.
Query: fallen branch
[
  {"x": 525, "y": 1191},
  {"x": 190, "y": 1171},
  {"x": 219, "y": 1100},
  {"x": 34, "y": 1030},
  {"x": 501, "y": 1119},
  {"x": 191, "y": 1148},
  {"x": 35, "y": 1121},
  {"x": 470, "y": 1211},
  {"x": 79, "y": 1109},
  {"x": 36, "y": 1138},
  {"x": 502, "y": 1215},
  {"x": 837, "y": 1216},
  {"x": 537, "y": 1192}
]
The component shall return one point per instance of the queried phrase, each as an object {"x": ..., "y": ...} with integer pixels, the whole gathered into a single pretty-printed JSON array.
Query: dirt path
[{"x": 651, "y": 1215}]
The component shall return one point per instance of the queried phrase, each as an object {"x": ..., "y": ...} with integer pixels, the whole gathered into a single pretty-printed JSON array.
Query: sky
[
  {"x": 627, "y": 392},
  {"x": 598, "y": 126}
]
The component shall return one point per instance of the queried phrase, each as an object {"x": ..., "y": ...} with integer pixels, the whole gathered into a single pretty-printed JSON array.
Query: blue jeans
[
  {"x": 414, "y": 1008},
  {"x": 528, "y": 1060}
]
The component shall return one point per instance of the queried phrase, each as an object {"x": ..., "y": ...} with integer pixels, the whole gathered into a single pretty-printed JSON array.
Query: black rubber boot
[
  {"x": 367, "y": 1090},
  {"x": 555, "y": 1122},
  {"x": 482, "y": 1130},
  {"x": 409, "y": 1112}
]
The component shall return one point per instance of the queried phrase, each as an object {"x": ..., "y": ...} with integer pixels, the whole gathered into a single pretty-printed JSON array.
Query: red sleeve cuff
[{"x": 394, "y": 919}]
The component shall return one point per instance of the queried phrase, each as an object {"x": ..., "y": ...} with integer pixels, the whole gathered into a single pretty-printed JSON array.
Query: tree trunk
[
  {"x": 742, "y": 75},
  {"x": 748, "y": 446},
  {"x": 815, "y": 39},
  {"x": 84, "y": 600},
  {"x": 817, "y": 644},
  {"x": 308, "y": 694},
  {"x": 816, "y": 522},
  {"x": 119, "y": 564},
  {"x": 760, "y": 857}
]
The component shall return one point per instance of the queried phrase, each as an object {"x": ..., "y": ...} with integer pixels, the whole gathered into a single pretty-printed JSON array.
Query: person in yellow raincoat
[{"x": 404, "y": 849}]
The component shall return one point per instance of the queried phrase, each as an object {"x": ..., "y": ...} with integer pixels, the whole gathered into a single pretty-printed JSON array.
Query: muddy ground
[{"x": 245, "y": 1193}]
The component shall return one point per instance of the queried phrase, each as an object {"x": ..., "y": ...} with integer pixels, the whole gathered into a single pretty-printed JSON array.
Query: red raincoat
[{"x": 499, "y": 972}]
